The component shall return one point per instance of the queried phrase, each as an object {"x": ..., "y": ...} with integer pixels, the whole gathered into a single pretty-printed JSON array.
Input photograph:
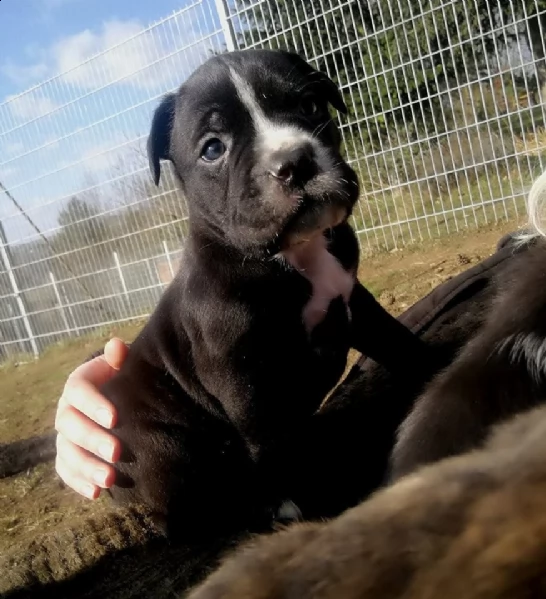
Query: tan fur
[{"x": 470, "y": 527}]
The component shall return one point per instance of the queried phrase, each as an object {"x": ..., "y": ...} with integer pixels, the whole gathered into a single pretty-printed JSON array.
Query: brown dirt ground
[{"x": 36, "y": 500}]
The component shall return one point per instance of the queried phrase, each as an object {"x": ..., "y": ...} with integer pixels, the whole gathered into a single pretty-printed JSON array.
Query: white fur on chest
[{"x": 328, "y": 278}]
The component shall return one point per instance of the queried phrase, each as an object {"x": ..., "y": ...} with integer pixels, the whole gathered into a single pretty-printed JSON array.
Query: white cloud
[
  {"x": 52, "y": 143},
  {"x": 122, "y": 62},
  {"x": 24, "y": 75},
  {"x": 120, "y": 51},
  {"x": 6, "y": 174},
  {"x": 124, "y": 50},
  {"x": 12, "y": 149},
  {"x": 102, "y": 157},
  {"x": 36, "y": 69},
  {"x": 30, "y": 106}
]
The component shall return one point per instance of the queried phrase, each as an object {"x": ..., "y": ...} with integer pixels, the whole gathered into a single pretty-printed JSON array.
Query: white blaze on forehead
[{"x": 275, "y": 136}]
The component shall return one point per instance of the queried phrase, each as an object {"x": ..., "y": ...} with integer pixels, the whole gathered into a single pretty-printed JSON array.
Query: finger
[
  {"x": 84, "y": 396},
  {"x": 74, "y": 482},
  {"x": 97, "y": 371},
  {"x": 85, "y": 433},
  {"x": 115, "y": 352},
  {"x": 81, "y": 388},
  {"x": 84, "y": 465}
]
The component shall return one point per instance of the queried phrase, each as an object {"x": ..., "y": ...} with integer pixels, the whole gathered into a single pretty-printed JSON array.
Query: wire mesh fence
[{"x": 445, "y": 129}]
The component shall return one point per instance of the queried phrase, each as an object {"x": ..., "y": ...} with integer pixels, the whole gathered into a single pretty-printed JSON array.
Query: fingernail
[
  {"x": 104, "y": 417},
  {"x": 88, "y": 491},
  {"x": 99, "y": 476},
  {"x": 106, "y": 450}
]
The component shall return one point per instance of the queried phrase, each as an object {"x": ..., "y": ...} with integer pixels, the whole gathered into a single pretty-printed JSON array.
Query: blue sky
[
  {"x": 73, "y": 114},
  {"x": 30, "y": 27}
]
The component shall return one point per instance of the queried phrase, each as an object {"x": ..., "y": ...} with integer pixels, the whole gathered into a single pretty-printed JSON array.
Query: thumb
[{"x": 115, "y": 352}]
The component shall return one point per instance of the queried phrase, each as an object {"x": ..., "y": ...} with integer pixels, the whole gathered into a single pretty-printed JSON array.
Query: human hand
[{"x": 85, "y": 449}]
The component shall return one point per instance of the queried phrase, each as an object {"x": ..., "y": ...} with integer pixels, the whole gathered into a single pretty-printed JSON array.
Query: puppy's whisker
[
  {"x": 320, "y": 128},
  {"x": 302, "y": 88}
]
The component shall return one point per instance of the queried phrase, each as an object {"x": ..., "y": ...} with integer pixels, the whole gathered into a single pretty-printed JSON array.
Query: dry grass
[
  {"x": 401, "y": 277},
  {"x": 36, "y": 500},
  {"x": 31, "y": 388}
]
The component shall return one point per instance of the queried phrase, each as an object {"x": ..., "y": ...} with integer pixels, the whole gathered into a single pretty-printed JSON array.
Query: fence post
[
  {"x": 168, "y": 256},
  {"x": 68, "y": 305},
  {"x": 226, "y": 24},
  {"x": 60, "y": 302},
  {"x": 152, "y": 272},
  {"x": 122, "y": 279},
  {"x": 20, "y": 336},
  {"x": 21, "y": 303}
]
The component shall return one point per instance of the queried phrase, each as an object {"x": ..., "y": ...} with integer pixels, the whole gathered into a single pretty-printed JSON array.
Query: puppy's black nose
[{"x": 294, "y": 166}]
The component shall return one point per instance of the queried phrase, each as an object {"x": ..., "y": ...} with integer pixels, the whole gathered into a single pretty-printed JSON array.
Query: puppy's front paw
[{"x": 264, "y": 569}]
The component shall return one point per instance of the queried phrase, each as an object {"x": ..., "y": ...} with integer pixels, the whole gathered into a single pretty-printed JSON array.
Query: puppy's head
[{"x": 256, "y": 150}]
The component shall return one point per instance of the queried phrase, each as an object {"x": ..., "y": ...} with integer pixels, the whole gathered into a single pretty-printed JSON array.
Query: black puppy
[
  {"x": 255, "y": 329},
  {"x": 499, "y": 373}
]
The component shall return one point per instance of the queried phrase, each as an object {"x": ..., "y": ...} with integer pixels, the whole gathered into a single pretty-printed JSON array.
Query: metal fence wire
[{"x": 445, "y": 129}]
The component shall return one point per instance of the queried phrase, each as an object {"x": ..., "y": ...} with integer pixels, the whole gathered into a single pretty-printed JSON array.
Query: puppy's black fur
[
  {"x": 216, "y": 385},
  {"x": 500, "y": 372}
]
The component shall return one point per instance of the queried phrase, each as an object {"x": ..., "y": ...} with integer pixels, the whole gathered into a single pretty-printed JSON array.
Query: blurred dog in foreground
[{"x": 472, "y": 526}]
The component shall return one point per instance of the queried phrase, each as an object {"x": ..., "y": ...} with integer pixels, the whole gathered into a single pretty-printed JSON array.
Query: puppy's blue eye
[{"x": 213, "y": 150}]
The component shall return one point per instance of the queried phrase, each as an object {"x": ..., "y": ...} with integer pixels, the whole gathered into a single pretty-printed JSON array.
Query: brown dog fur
[{"x": 471, "y": 527}]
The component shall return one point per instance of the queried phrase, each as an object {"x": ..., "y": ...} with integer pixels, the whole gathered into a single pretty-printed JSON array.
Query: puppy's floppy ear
[
  {"x": 159, "y": 139},
  {"x": 330, "y": 89},
  {"x": 332, "y": 93}
]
